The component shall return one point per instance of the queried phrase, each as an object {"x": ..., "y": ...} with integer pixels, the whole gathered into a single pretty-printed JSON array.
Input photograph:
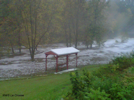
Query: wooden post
[
  {"x": 67, "y": 61},
  {"x": 46, "y": 62},
  {"x": 76, "y": 59},
  {"x": 57, "y": 64}
]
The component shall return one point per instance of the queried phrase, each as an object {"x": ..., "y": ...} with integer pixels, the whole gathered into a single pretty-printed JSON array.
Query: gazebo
[{"x": 62, "y": 52}]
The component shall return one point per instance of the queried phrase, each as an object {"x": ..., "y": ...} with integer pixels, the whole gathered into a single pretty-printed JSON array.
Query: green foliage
[
  {"x": 56, "y": 87},
  {"x": 95, "y": 29},
  {"x": 130, "y": 70},
  {"x": 106, "y": 83},
  {"x": 120, "y": 92},
  {"x": 97, "y": 95},
  {"x": 122, "y": 62},
  {"x": 102, "y": 72},
  {"x": 89, "y": 87},
  {"x": 114, "y": 67},
  {"x": 80, "y": 83}
]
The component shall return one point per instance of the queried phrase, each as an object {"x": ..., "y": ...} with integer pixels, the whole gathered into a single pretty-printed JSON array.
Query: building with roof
[{"x": 62, "y": 52}]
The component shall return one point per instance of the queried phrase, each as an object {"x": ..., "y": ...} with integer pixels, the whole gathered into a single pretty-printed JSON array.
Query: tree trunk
[
  {"x": 99, "y": 44},
  {"x": 12, "y": 49},
  {"x": 32, "y": 57},
  {"x": 70, "y": 38},
  {"x": 32, "y": 53},
  {"x": 76, "y": 27},
  {"x": 87, "y": 46},
  {"x": 76, "y": 35},
  {"x": 19, "y": 43},
  {"x": 90, "y": 46},
  {"x": 66, "y": 36},
  {"x": 19, "y": 49}
]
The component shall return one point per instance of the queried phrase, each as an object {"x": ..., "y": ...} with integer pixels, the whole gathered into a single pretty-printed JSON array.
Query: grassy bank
[
  {"x": 114, "y": 81},
  {"x": 47, "y": 87}
]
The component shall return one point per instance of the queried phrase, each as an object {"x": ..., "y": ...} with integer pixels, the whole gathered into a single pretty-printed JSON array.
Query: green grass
[{"x": 47, "y": 87}]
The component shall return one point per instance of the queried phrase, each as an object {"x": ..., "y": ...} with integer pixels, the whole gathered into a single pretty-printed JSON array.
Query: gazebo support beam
[
  {"x": 67, "y": 61},
  {"x": 57, "y": 63},
  {"x": 76, "y": 59},
  {"x": 46, "y": 62}
]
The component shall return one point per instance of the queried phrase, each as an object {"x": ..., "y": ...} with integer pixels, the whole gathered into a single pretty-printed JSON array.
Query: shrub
[
  {"x": 80, "y": 83},
  {"x": 122, "y": 62},
  {"x": 97, "y": 95},
  {"x": 104, "y": 83},
  {"x": 107, "y": 83},
  {"x": 102, "y": 71},
  {"x": 88, "y": 86},
  {"x": 130, "y": 70},
  {"x": 85, "y": 85},
  {"x": 120, "y": 92}
]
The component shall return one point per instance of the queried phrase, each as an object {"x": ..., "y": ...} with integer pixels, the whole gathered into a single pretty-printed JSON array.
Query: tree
[
  {"x": 8, "y": 26},
  {"x": 37, "y": 17},
  {"x": 95, "y": 16},
  {"x": 77, "y": 17}
]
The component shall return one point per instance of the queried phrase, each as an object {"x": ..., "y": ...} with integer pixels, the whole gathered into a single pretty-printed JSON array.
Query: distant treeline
[{"x": 32, "y": 22}]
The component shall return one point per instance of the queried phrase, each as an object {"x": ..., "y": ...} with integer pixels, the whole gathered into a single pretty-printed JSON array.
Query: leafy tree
[
  {"x": 37, "y": 16},
  {"x": 96, "y": 27},
  {"x": 9, "y": 25}
]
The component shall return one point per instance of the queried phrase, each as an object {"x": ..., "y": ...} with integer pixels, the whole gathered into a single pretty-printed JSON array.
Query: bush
[
  {"x": 104, "y": 83},
  {"x": 120, "y": 92},
  {"x": 107, "y": 83},
  {"x": 97, "y": 95},
  {"x": 122, "y": 62},
  {"x": 102, "y": 71},
  {"x": 80, "y": 83},
  {"x": 88, "y": 86}
]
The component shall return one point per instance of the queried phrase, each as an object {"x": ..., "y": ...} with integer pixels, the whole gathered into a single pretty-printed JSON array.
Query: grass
[
  {"x": 47, "y": 87},
  {"x": 54, "y": 87}
]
